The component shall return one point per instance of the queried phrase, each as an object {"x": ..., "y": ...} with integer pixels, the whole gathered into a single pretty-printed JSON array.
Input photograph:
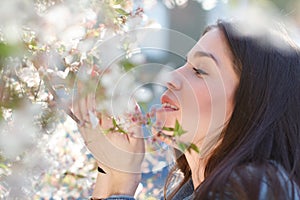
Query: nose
[{"x": 174, "y": 82}]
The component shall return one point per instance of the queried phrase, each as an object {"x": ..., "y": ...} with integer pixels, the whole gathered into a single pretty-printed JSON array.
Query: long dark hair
[{"x": 264, "y": 129}]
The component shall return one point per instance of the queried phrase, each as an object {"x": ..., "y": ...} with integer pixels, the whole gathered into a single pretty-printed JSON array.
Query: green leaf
[
  {"x": 106, "y": 131},
  {"x": 177, "y": 125},
  {"x": 3, "y": 166},
  {"x": 117, "y": 2},
  {"x": 1, "y": 118},
  {"x": 121, "y": 11},
  {"x": 121, "y": 130},
  {"x": 168, "y": 128},
  {"x": 114, "y": 122},
  {"x": 127, "y": 65},
  {"x": 143, "y": 105},
  {"x": 178, "y": 130},
  {"x": 7, "y": 50},
  {"x": 11, "y": 99},
  {"x": 149, "y": 121},
  {"x": 193, "y": 147},
  {"x": 79, "y": 176},
  {"x": 182, "y": 147}
]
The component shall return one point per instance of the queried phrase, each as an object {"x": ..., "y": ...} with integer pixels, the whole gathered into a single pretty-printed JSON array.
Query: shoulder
[
  {"x": 262, "y": 181},
  {"x": 185, "y": 191}
]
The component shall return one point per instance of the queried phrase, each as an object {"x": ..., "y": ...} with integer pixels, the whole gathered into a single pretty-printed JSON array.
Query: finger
[
  {"x": 77, "y": 112},
  {"x": 126, "y": 149},
  {"x": 161, "y": 136},
  {"x": 89, "y": 102},
  {"x": 135, "y": 128},
  {"x": 90, "y": 105},
  {"x": 79, "y": 108},
  {"x": 114, "y": 151},
  {"x": 106, "y": 121},
  {"x": 82, "y": 103},
  {"x": 76, "y": 101}
]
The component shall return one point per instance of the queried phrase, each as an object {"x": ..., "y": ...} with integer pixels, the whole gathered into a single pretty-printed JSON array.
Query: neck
[
  {"x": 197, "y": 165},
  {"x": 197, "y": 162}
]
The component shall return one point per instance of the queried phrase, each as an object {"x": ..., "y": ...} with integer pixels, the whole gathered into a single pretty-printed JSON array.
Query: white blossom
[
  {"x": 30, "y": 76},
  {"x": 143, "y": 94},
  {"x": 93, "y": 119}
]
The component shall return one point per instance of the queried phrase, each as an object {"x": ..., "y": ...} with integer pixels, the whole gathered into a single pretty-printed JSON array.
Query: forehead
[{"x": 214, "y": 43}]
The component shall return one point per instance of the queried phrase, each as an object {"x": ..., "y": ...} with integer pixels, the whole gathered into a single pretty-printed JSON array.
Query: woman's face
[{"x": 200, "y": 94}]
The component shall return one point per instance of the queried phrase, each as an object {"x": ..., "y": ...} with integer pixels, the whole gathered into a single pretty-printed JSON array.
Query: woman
[{"x": 246, "y": 89}]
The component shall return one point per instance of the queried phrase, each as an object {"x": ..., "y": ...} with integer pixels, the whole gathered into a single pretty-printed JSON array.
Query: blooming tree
[
  {"x": 46, "y": 48},
  {"x": 43, "y": 44}
]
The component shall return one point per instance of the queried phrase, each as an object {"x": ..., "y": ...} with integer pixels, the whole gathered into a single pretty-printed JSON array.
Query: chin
[{"x": 167, "y": 119}]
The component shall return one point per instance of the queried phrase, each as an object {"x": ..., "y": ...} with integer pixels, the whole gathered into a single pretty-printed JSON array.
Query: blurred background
[
  {"x": 190, "y": 17},
  {"x": 44, "y": 43}
]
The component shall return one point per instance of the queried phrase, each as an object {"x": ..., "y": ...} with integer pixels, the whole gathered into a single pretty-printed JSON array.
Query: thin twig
[
  {"x": 59, "y": 102},
  {"x": 38, "y": 90}
]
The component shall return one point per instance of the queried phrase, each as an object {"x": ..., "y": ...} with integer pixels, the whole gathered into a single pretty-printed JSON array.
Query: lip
[{"x": 166, "y": 99}]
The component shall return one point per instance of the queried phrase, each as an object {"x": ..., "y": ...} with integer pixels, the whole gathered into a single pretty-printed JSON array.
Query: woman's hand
[
  {"x": 119, "y": 155},
  {"x": 114, "y": 150}
]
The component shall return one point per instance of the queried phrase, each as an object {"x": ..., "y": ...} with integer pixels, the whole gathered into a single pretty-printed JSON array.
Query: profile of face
[{"x": 200, "y": 94}]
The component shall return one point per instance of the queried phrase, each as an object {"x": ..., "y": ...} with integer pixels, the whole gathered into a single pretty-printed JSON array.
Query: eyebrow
[{"x": 206, "y": 54}]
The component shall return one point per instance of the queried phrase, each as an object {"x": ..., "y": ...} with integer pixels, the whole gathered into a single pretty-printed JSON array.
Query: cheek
[
  {"x": 209, "y": 113},
  {"x": 196, "y": 114},
  {"x": 198, "y": 98},
  {"x": 222, "y": 95},
  {"x": 204, "y": 100}
]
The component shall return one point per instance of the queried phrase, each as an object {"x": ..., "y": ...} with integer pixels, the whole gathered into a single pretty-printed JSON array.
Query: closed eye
[{"x": 199, "y": 71}]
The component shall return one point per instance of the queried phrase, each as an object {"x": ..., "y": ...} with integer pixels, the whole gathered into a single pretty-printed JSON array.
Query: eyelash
[{"x": 199, "y": 71}]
